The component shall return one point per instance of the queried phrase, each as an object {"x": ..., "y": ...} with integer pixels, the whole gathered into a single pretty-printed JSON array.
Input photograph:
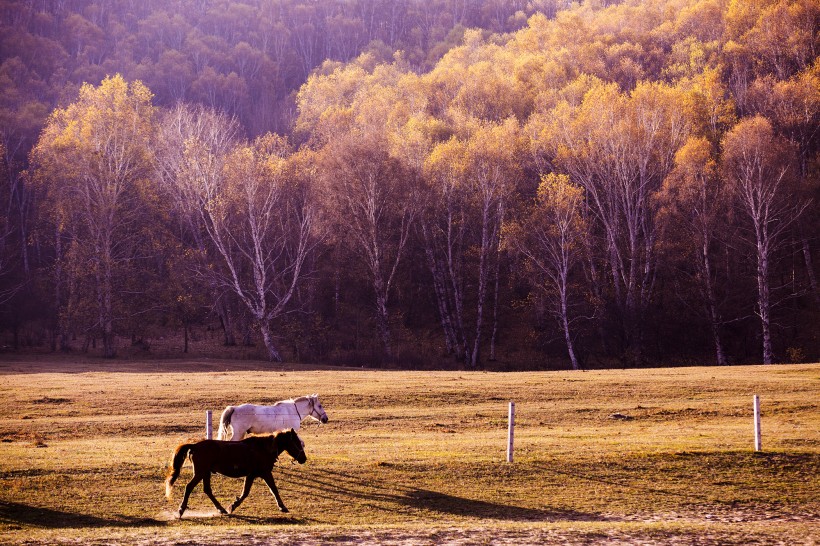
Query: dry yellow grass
[{"x": 417, "y": 457}]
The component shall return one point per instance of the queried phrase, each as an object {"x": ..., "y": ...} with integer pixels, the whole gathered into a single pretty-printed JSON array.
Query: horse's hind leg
[
  {"x": 188, "y": 488},
  {"x": 245, "y": 491},
  {"x": 206, "y": 485},
  {"x": 272, "y": 486},
  {"x": 239, "y": 432}
]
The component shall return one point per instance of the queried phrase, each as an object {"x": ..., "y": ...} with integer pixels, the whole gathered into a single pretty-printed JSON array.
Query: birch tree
[
  {"x": 551, "y": 236},
  {"x": 476, "y": 175},
  {"x": 93, "y": 157},
  {"x": 440, "y": 225},
  {"x": 694, "y": 201},
  {"x": 757, "y": 164},
  {"x": 793, "y": 107},
  {"x": 248, "y": 208},
  {"x": 444, "y": 226},
  {"x": 192, "y": 145},
  {"x": 493, "y": 169},
  {"x": 262, "y": 229},
  {"x": 619, "y": 148},
  {"x": 369, "y": 195}
]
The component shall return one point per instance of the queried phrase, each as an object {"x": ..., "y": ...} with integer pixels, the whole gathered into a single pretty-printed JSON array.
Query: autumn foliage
[{"x": 560, "y": 186}]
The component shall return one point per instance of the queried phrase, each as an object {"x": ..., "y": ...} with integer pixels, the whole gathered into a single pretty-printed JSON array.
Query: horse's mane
[{"x": 294, "y": 400}]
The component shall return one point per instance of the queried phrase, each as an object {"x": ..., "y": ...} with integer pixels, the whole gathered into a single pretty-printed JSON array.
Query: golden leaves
[{"x": 96, "y": 149}]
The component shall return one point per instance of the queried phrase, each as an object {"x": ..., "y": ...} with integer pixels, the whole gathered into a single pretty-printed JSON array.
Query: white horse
[{"x": 268, "y": 419}]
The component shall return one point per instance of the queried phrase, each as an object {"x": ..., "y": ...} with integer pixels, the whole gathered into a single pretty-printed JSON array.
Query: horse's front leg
[
  {"x": 245, "y": 491},
  {"x": 206, "y": 485},
  {"x": 272, "y": 486},
  {"x": 188, "y": 488}
]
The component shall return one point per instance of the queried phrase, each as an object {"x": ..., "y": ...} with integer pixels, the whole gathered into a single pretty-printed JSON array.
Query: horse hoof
[{"x": 283, "y": 509}]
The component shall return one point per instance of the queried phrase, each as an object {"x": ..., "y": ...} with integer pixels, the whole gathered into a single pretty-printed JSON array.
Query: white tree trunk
[
  {"x": 267, "y": 337},
  {"x": 763, "y": 302}
]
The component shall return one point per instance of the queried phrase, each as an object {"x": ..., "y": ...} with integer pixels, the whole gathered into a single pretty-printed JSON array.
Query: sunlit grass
[{"x": 84, "y": 453}]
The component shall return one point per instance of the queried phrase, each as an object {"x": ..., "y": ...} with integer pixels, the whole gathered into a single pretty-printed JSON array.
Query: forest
[{"x": 478, "y": 184}]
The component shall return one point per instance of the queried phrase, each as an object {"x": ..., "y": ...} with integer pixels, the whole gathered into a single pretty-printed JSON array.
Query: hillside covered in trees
[{"x": 477, "y": 183}]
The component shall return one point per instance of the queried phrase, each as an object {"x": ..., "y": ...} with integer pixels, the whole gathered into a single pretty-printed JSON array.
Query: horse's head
[
  {"x": 293, "y": 445},
  {"x": 316, "y": 410}
]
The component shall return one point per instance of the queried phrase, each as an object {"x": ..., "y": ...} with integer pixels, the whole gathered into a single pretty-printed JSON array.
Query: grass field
[{"x": 417, "y": 457}]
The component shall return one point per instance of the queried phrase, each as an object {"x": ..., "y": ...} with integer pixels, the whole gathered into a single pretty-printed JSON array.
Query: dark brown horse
[{"x": 250, "y": 458}]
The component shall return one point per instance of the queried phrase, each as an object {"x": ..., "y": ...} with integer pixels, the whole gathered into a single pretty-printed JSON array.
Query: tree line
[
  {"x": 633, "y": 183},
  {"x": 243, "y": 57}
]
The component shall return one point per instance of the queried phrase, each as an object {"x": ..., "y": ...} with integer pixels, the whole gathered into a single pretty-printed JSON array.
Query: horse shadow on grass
[
  {"x": 621, "y": 483},
  {"x": 14, "y": 513},
  {"x": 268, "y": 520},
  {"x": 423, "y": 499},
  {"x": 380, "y": 495}
]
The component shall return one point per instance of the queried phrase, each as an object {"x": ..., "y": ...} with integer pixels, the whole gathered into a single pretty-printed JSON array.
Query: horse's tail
[
  {"x": 224, "y": 423},
  {"x": 176, "y": 465}
]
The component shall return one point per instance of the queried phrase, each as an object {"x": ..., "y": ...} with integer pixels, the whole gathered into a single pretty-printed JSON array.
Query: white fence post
[
  {"x": 510, "y": 433},
  {"x": 209, "y": 429},
  {"x": 758, "y": 440}
]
